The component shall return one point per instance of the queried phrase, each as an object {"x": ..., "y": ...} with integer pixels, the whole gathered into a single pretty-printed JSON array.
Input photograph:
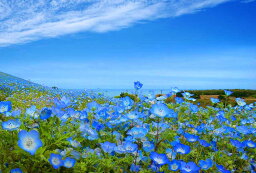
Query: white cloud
[{"x": 28, "y": 20}]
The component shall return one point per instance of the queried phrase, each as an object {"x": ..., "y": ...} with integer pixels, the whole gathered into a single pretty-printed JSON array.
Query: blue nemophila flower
[
  {"x": 179, "y": 100},
  {"x": 170, "y": 153},
  {"x": 148, "y": 146},
  {"x": 72, "y": 113},
  {"x": 222, "y": 169},
  {"x": 63, "y": 102},
  {"x": 138, "y": 132},
  {"x": 187, "y": 96},
  {"x": 159, "y": 159},
  {"x": 140, "y": 157},
  {"x": 174, "y": 165},
  {"x": 161, "y": 98},
  {"x": 193, "y": 108},
  {"x": 206, "y": 164},
  {"x": 160, "y": 110},
  {"x": 83, "y": 115},
  {"x": 108, "y": 147},
  {"x": 243, "y": 129},
  {"x": 127, "y": 102},
  {"x": 130, "y": 138},
  {"x": 252, "y": 165},
  {"x": 74, "y": 143},
  {"x": 16, "y": 170},
  {"x": 69, "y": 162},
  {"x": 93, "y": 106},
  {"x": 214, "y": 100},
  {"x": 204, "y": 143},
  {"x": 189, "y": 167},
  {"x": 32, "y": 112},
  {"x": 250, "y": 143},
  {"x": 5, "y": 106},
  {"x": 29, "y": 141},
  {"x": 201, "y": 128},
  {"x": 117, "y": 135},
  {"x": 154, "y": 167},
  {"x": 172, "y": 114},
  {"x": 191, "y": 138},
  {"x": 175, "y": 90},
  {"x": 97, "y": 125},
  {"x": 120, "y": 149},
  {"x": 160, "y": 126},
  {"x": 138, "y": 85},
  {"x": 130, "y": 147},
  {"x": 16, "y": 113},
  {"x": 244, "y": 156},
  {"x": 214, "y": 145},
  {"x": 181, "y": 148},
  {"x": 175, "y": 141},
  {"x": 240, "y": 102},
  {"x": 102, "y": 114},
  {"x": 228, "y": 93},
  {"x": 133, "y": 115},
  {"x": 88, "y": 132},
  {"x": 134, "y": 168},
  {"x": 55, "y": 160},
  {"x": 237, "y": 143},
  {"x": 45, "y": 113},
  {"x": 11, "y": 125}
]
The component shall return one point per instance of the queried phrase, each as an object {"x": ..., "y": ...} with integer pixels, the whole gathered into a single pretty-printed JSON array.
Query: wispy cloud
[{"x": 28, "y": 20}]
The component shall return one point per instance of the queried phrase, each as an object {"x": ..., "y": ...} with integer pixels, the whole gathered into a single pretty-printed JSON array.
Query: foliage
[
  {"x": 132, "y": 96},
  {"x": 236, "y": 92}
]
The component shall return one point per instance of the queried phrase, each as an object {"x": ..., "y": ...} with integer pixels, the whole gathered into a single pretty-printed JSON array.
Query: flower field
[{"x": 44, "y": 130}]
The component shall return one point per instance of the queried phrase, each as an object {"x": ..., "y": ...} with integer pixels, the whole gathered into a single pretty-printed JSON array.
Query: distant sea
[{"x": 117, "y": 92}]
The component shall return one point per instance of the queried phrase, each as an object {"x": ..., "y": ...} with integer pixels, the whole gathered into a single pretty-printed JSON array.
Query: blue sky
[{"x": 197, "y": 44}]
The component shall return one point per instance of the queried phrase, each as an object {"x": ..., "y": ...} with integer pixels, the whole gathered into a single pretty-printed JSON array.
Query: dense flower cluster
[{"x": 93, "y": 133}]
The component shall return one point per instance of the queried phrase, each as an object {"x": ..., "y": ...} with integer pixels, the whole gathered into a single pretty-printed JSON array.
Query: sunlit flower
[
  {"x": 45, "y": 114},
  {"x": 160, "y": 110},
  {"x": 138, "y": 85},
  {"x": 108, "y": 147},
  {"x": 206, "y": 164},
  {"x": 138, "y": 132},
  {"x": 174, "y": 165},
  {"x": 69, "y": 162},
  {"x": 55, "y": 160},
  {"x": 11, "y": 125},
  {"x": 189, "y": 167},
  {"x": 227, "y": 92},
  {"x": 16, "y": 170},
  {"x": 240, "y": 102},
  {"x": 159, "y": 159},
  {"x": 130, "y": 147},
  {"x": 181, "y": 148},
  {"x": 29, "y": 141},
  {"x": 5, "y": 106}
]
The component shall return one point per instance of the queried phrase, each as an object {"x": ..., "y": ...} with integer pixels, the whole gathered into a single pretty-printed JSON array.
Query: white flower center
[
  {"x": 11, "y": 125},
  {"x": 159, "y": 160},
  {"x": 29, "y": 143},
  {"x": 3, "y": 108},
  {"x": 55, "y": 161},
  {"x": 180, "y": 150},
  {"x": 174, "y": 166},
  {"x": 250, "y": 144},
  {"x": 68, "y": 164}
]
